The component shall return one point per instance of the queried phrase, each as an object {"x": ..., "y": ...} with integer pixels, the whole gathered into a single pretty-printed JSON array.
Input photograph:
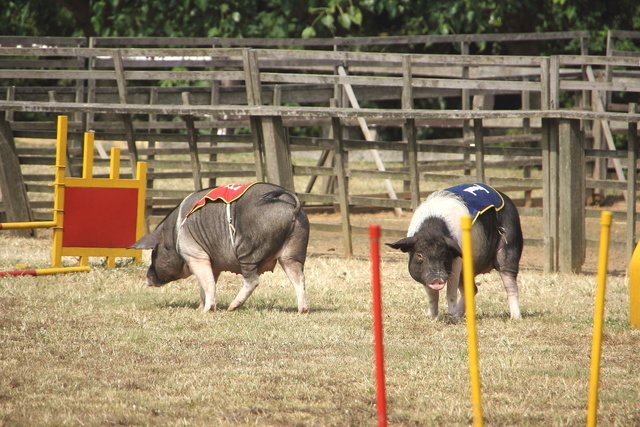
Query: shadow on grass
[
  {"x": 452, "y": 320},
  {"x": 252, "y": 307}
]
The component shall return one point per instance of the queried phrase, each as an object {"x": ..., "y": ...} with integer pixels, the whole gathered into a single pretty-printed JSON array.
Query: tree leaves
[{"x": 311, "y": 18}]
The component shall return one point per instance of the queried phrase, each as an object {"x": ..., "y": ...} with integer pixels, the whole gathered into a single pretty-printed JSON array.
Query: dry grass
[{"x": 99, "y": 348}]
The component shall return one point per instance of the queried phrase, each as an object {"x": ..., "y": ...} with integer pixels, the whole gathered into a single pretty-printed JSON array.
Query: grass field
[{"x": 99, "y": 348}]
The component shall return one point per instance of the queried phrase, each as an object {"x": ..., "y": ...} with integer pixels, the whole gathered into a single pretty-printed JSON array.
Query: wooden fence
[{"x": 179, "y": 108}]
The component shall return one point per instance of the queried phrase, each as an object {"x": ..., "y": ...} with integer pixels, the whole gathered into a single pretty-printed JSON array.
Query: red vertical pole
[{"x": 381, "y": 399}]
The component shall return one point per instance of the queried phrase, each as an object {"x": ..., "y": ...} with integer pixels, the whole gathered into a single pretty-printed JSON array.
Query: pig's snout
[
  {"x": 150, "y": 282},
  {"x": 437, "y": 284},
  {"x": 152, "y": 279}
]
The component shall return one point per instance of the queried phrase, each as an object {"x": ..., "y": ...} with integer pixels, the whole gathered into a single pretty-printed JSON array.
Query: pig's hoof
[{"x": 303, "y": 310}]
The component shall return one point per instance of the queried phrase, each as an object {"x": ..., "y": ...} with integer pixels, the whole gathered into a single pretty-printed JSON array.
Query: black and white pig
[
  {"x": 246, "y": 236},
  {"x": 434, "y": 242}
]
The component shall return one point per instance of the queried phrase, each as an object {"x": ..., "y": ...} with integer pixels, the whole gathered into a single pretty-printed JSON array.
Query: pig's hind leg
[
  {"x": 251, "y": 279},
  {"x": 511, "y": 286},
  {"x": 295, "y": 272},
  {"x": 507, "y": 263}
]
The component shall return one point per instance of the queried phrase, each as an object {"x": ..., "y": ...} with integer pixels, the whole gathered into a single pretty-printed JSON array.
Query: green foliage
[
  {"x": 337, "y": 15},
  {"x": 36, "y": 18},
  {"x": 313, "y": 18}
]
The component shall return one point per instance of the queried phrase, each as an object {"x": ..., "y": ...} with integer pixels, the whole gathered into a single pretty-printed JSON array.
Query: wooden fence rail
[{"x": 252, "y": 101}]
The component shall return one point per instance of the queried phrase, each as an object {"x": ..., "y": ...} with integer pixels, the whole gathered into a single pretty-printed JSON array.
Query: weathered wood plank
[
  {"x": 343, "y": 189},
  {"x": 571, "y": 197},
  {"x": 337, "y": 41},
  {"x": 312, "y": 112},
  {"x": 12, "y": 186},
  {"x": 632, "y": 185}
]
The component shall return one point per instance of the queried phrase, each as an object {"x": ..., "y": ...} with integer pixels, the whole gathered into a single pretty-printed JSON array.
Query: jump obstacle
[
  {"x": 469, "y": 295},
  {"x": 92, "y": 217}
]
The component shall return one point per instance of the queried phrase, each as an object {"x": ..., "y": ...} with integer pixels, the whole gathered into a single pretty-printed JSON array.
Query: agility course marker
[
  {"x": 634, "y": 289},
  {"x": 92, "y": 217},
  {"x": 101, "y": 216},
  {"x": 45, "y": 271},
  {"x": 26, "y": 225},
  {"x": 470, "y": 307},
  {"x": 381, "y": 399},
  {"x": 598, "y": 317}
]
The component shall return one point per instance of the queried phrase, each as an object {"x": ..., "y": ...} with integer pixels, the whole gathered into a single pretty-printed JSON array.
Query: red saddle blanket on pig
[
  {"x": 227, "y": 193},
  {"x": 478, "y": 197}
]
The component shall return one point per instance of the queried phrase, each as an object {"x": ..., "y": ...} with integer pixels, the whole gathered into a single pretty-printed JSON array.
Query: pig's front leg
[
  {"x": 201, "y": 268},
  {"x": 433, "y": 302},
  {"x": 455, "y": 306}
]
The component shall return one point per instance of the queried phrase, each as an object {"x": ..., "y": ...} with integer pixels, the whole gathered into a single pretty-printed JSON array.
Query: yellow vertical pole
[
  {"x": 634, "y": 289},
  {"x": 87, "y": 161},
  {"x": 87, "y": 171},
  {"x": 58, "y": 201},
  {"x": 598, "y": 317},
  {"x": 469, "y": 300},
  {"x": 114, "y": 173},
  {"x": 141, "y": 176},
  {"x": 114, "y": 165}
]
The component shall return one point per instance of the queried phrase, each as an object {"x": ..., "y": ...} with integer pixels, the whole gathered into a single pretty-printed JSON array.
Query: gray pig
[
  {"x": 434, "y": 242},
  {"x": 246, "y": 236}
]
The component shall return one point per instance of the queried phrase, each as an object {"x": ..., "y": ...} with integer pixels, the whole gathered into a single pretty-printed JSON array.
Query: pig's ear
[
  {"x": 405, "y": 245},
  {"x": 453, "y": 246},
  {"x": 149, "y": 241}
]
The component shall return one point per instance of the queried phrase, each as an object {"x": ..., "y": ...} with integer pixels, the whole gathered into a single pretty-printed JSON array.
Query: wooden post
[
  {"x": 545, "y": 66},
  {"x": 526, "y": 129},
  {"x": 126, "y": 118},
  {"x": 343, "y": 192},
  {"x": 571, "y": 197},
  {"x": 548, "y": 97},
  {"x": 192, "y": 139},
  {"x": 554, "y": 83},
  {"x": 254, "y": 97},
  {"x": 153, "y": 99},
  {"x": 466, "y": 103},
  {"x": 412, "y": 151},
  {"x": 632, "y": 186},
  {"x": 214, "y": 100},
  {"x": 479, "y": 141},
  {"x": 550, "y": 193},
  {"x": 276, "y": 151},
  {"x": 12, "y": 186},
  {"x": 409, "y": 130}
]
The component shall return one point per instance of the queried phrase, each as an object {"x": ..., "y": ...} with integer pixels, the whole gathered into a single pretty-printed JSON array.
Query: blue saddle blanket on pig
[{"x": 478, "y": 197}]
